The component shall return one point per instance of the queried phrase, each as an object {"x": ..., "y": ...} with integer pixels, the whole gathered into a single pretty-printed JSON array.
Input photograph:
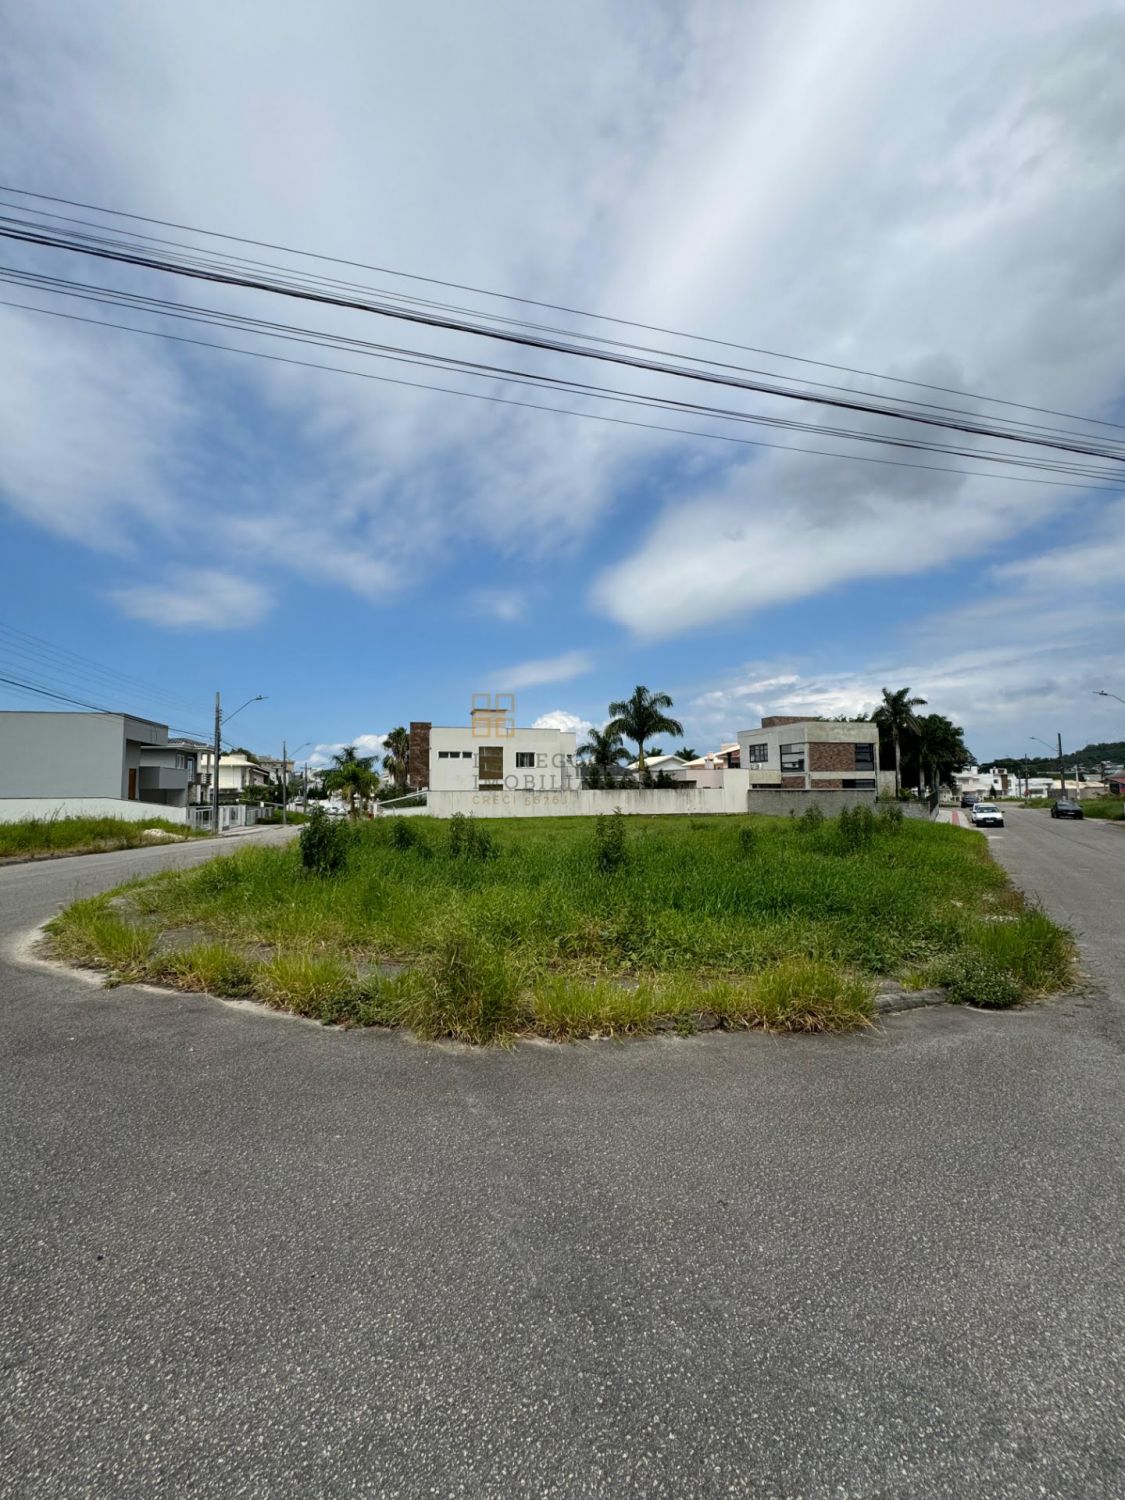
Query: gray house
[{"x": 90, "y": 764}]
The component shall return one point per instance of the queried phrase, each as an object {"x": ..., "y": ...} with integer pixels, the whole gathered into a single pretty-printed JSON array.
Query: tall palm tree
[
  {"x": 604, "y": 752},
  {"x": 685, "y": 752},
  {"x": 896, "y": 715},
  {"x": 352, "y": 775},
  {"x": 639, "y": 717},
  {"x": 397, "y": 757}
]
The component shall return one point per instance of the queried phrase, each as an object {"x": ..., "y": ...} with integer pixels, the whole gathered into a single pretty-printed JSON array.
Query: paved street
[{"x": 248, "y": 1256}]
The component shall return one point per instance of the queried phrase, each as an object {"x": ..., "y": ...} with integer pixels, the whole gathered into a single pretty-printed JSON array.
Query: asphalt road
[{"x": 248, "y": 1256}]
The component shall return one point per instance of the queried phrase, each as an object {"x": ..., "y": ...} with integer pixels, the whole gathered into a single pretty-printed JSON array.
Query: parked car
[
  {"x": 969, "y": 799},
  {"x": 987, "y": 814},
  {"x": 1063, "y": 807}
]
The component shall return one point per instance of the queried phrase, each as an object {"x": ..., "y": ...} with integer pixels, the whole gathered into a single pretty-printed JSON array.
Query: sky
[{"x": 930, "y": 191}]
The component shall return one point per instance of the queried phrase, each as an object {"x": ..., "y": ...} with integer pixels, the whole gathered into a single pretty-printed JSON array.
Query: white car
[{"x": 986, "y": 814}]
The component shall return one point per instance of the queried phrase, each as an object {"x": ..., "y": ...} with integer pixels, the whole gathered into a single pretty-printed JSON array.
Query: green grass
[
  {"x": 779, "y": 923},
  {"x": 80, "y": 835}
]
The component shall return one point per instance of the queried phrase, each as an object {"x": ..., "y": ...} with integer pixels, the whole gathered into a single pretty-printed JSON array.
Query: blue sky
[{"x": 948, "y": 207}]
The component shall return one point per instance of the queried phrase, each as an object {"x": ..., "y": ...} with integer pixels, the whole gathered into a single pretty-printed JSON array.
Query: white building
[
  {"x": 491, "y": 755},
  {"x": 237, "y": 772}
]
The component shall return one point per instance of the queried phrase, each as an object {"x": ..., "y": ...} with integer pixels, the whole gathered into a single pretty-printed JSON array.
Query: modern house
[
  {"x": 491, "y": 755},
  {"x": 238, "y": 772},
  {"x": 800, "y": 754},
  {"x": 90, "y": 764}
]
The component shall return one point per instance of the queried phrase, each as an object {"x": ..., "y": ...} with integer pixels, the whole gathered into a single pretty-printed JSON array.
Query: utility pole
[
  {"x": 1026, "y": 781},
  {"x": 284, "y": 781},
  {"x": 1062, "y": 772},
  {"x": 215, "y": 767},
  {"x": 305, "y": 798}
]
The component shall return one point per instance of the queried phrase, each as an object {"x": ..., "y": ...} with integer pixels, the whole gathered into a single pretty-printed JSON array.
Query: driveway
[{"x": 249, "y": 1256}]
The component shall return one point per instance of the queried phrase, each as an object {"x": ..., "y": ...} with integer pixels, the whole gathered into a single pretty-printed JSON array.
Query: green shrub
[
  {"x": 856, "y": 828},
  {"x": 465, "y": 989},
  {"x": 324, "y": 845},
  {"x": 747, "y": 840},
  {"x": 811, "y": 818},
  {"x": 975, "y": 979},
  {"x": 403, "y": 834},
  {"x": 469, "y": 839},
  {"x": 609, "y": 841},
  {"x": 891, "y": 813}
]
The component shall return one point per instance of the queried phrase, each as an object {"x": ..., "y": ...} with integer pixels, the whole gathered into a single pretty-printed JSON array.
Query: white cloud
[
  {"x": 560, "y": 718},
  {"x": 947, "y": 206},
  {"x": 507, "y": 604},
  {"x": 204, "y": 598},
  {"x": 539, "y": 673},
  {"x": 365, "y": 745}
]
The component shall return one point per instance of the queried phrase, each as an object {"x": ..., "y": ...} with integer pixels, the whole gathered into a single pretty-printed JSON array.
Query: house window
[
  {"x": 525, "y": 759},
  {"x": 455, "y": 755},
  {"x": 860, "y": 784},
  {"x": 865, "y": 757},
  {"x": 792, "y": 757},
  {"x": 490, "y": 766},
  {"x": 757, "y": 755}
]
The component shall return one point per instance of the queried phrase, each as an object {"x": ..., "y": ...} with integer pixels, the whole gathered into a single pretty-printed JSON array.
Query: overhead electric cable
[
  {"x": 549, "y": 306},
  {"x": 1113, "y": 482},
  {"x": 417, "y": 316}
]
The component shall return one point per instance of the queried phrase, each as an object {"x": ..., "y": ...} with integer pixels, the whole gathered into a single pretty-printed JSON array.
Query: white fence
[
  {"x": 19, "y": 809},
  {"x": 231, "y": 815}
]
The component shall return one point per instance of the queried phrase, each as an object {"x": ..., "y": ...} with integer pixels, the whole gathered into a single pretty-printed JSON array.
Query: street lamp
[
  {"x": 1101, "y": 693},
  {"x": 220, "y": 720}
]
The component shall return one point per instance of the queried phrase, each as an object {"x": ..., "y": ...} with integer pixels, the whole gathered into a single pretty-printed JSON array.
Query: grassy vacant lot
[
  {"x": 35, "y": 836},
  {"x": 483, "y": 930}
]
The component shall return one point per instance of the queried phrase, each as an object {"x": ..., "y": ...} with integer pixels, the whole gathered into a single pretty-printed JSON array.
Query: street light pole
[
  {"x": 215, "y": 752},
  {"x": 215, "y": 767},
  {"x": 284, "y": 784}
]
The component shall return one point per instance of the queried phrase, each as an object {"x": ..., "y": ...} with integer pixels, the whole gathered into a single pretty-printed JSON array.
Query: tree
[
  {"x": 641, "y": 716},
  {"x": 941, "y": 749},
  {"x": 896, "y": 715},
  {"x": 353, "y": 776},
  {"x": 397, "y": 757},
  {"x": 685, "y": 754},
  {"x": 604, "y": 752}
]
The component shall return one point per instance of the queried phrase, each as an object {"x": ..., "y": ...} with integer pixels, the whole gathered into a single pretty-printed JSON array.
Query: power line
[
  {"x": 397, "y": 354},
  {"x": 417, "y": 316},
  {"x": 551, "y": 306},
  {"x": 207, "y": 259},
  {"x": 588, "y": 416}
]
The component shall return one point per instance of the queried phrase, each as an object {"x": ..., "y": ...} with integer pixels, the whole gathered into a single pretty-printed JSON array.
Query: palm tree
[
  {"x": 641, "y": 716},
  {"x": 396, "y": 762},
  {"x": 605, "y": 752},
  {"x": 896, "y": 715},
  {"x": 353, "y": 775},
  {"x": 685, "y": 753}
]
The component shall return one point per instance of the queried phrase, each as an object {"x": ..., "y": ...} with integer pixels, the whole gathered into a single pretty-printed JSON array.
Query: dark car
[
  {"x": 1065, "y": 808},
  {"x": 968, "y": 799}
]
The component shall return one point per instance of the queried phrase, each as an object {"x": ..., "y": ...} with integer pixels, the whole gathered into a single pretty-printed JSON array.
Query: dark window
[
  {"x": 858, "y": 784},
  {"x": 525, "y": 758},
  {"x": 757, "y": 755},
  {"x": 490, "y": 766},
  {"x": 792, "y": 757},
  {"x": 865, "y": 757}
]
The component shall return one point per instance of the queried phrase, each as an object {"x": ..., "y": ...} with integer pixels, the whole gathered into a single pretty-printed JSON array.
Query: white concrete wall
[
  {"x": 16, "y": 809},
  {"x": 729, "y": 798}
]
